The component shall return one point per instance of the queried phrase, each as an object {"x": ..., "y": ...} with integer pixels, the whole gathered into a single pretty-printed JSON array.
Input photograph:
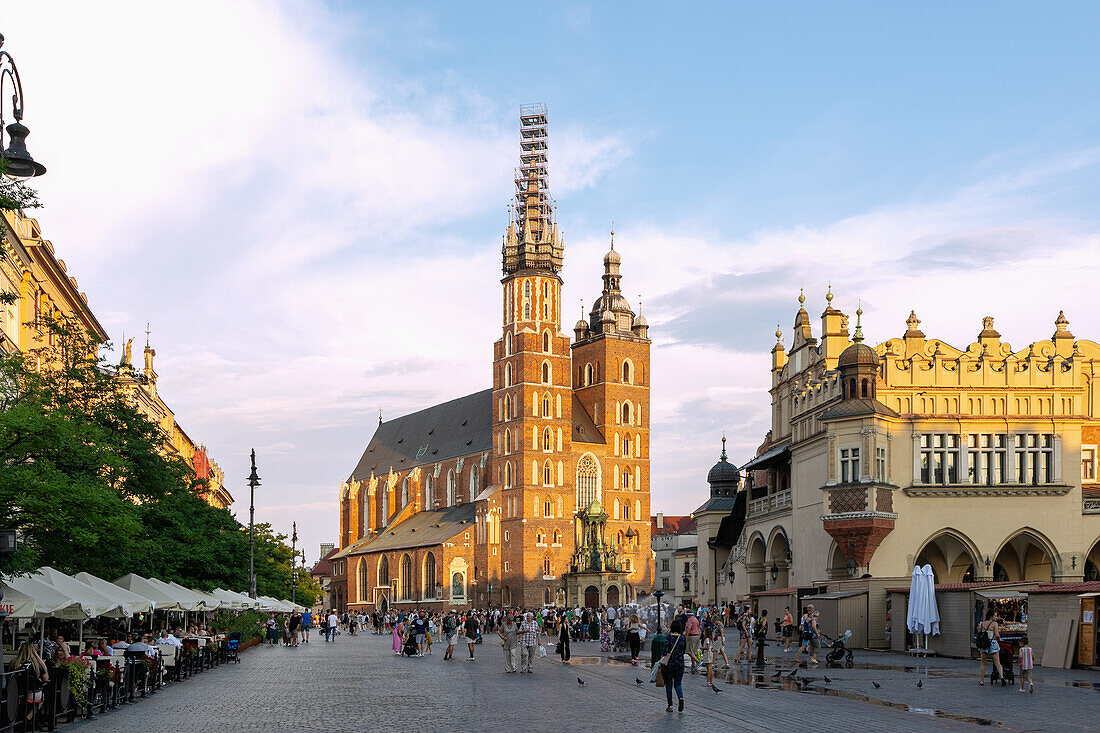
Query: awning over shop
[
  {"x": 993, "y": 594},
  {"x": 769, "y": 458}
]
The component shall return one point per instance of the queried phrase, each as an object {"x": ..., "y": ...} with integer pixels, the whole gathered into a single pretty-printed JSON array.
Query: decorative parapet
[
  {"x": 772, "y": 503},
  {"x": 1090, "y": 506},
  {"x": 857, "y": 515}
]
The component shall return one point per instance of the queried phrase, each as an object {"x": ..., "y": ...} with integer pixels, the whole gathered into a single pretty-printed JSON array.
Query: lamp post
[
  {"x": 253, "y": 482},
  {"x": 293, "y": 556},
  {"x": 658, "y": 594},
  {"x": 21, "y": 165}
]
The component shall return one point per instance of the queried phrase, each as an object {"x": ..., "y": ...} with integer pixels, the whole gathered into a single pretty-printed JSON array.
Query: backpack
[
  {"x": 981, "y": 640},
  {"x": 449, "y": 625}
]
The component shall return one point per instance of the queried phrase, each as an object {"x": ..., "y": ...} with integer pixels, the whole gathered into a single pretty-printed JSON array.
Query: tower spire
[
  {"x": 723, "y": 457},
  {"x": 537, "y": 245},
  {"x": 858, "y": 337}
]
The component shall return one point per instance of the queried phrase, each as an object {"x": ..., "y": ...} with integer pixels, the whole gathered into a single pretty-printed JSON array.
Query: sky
[{"x": 305, "y": 199}]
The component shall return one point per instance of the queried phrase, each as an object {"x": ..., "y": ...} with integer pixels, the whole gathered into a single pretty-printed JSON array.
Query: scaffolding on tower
[{"x": 532, "y": 241}]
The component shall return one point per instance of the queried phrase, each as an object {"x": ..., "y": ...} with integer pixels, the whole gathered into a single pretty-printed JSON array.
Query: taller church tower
[{"x": 532, "y": 390}]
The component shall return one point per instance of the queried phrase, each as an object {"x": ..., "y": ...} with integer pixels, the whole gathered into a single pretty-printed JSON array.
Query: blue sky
[{"x": 310, "y": 191}]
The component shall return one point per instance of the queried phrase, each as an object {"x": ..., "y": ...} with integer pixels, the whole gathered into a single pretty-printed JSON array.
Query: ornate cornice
[
  {"x": 1001, "y": 490},
  {"x": 857, "y": 515}
]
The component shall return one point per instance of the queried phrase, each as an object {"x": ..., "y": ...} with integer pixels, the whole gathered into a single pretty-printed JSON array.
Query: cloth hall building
[
  {"x": 536, "y": 490},
  {"x": 980, "y": 461}
]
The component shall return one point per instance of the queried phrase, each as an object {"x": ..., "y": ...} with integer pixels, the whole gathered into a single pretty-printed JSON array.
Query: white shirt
[
  {"x": 169, "y": 639},
  {"x": 333, "y": 620}
]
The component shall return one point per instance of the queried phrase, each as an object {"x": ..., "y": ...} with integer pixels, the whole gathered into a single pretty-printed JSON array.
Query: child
[
  {"x": 707, "y": 657},
  {"x": 1027, "y": 663}
]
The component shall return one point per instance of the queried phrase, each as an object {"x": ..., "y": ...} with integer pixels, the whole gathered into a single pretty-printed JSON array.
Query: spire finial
[
  {"x": 829, "y": 296},
  {"x": 858, "y": 337},
  {"x": 639, "y": 304},
  {"x": 582, "y": 308},
  {"x": 379, "y": 415},
  {"x": 147, "y": 332},
  {"x": 801, "y": 297},
  {"x": 778, "y": 334},
  {"x": 723, "y": 447},
  {"x": 612, "y": 234}
]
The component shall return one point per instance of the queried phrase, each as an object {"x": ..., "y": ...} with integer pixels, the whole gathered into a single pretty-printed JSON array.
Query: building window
[
  {"x": 849, "y": 465},
  {"x": 987, "y": 458},
  {"x": 1088, "y": 463},
  {"x": 587, "y": 375},
  {"x": 664, "y": 566},
  {"x": 665, "y": 584},
  {"x": 626, "y": 446},
  {"x": 626, "y": 413},
  {"x": 626, "y": 508},
  {"x": 507, "y": 375},
  {"x": 626, "y": 478},
  {"x": 548, "y": 440},
  {"x": 546, "y": 568},
  {"x": 505, "y": 562},
  {"x": 406, "y": 578},
  {"x": 939, "y": 458},
  {"x": 527, "y": 311},
  {"x": 626, "y": 565},
  {"x": 880, "y": 463},
  {"x": 546, "y": 405},
  {"x": 405, "y": 491},
  {"x": 475, "y": 482},
  {"x": 451, "y": 488},
  {"x": 1035, "y": 458},
  {"x": 546, "y": 341},
  {"x": 548, "y": 475},
  {"x": 587, "y": 481},
  {"x": 546, "y": 374},
  {"x": 627, "y": 372},
  {"x": 429, "y": 576}
]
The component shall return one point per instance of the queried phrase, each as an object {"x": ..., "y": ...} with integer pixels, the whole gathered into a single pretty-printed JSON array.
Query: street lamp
[
  {"x": 774, "y": 572},
  {"x": 851, "y": 564},
  {"x": 253, "y": 482},
  {"x": 489, "y": 587},
  {"x": 21, "y": 165},
  {"x": 658, "y": 594}
]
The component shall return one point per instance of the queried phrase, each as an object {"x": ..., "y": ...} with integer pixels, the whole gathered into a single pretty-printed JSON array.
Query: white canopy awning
[
  {"x": 16, "y": 604},
  {"x": 94, "y": 602},
  {"x": 275, "y": 605},
  {"x": 48, "y": 601},
  {"x": 241, "y": 598},
  {"x": 160, "y": 593},
  {"x": 213, "y": 603},
  {"x": 138, "y": 603}
]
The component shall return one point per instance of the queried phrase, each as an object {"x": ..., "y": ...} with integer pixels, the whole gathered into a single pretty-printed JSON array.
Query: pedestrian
[
  {"x": 398, "y": 637},
  {"x": 292, "y": 628},
  {"x": 805, "y": 629},
  {"x": 450, "y": 634},
  {"x": 333, "y": 622},
  {"x": 529, "y": 633},
  {"x": 707, "y": 656},
  {"x": 787, "y": 628},
  {"x": 563, "y": 639},
  {"x": 307, "y": 621},
  {"x": 1027, "y": 664},
  {"x": 508, "y": 632},
  {"x": 419, "y": 627},
  {"x": 761, "y": 631},
  {"x": 673, "y": 664},
  {"x": 744, "y": 634},
  {"x": 633, "y": 637},
  {"x": 691, "y": 630},
  {"x": 992, "y": 630},
  {"x": 471, "y": 631},
  {"x": 718, "y": 645}
]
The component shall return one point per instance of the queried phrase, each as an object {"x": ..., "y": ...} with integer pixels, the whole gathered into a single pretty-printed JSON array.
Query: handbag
[
  {"x": 542, "y": 650},
  {"x": 557, "y": 649},
  {"x": 659, "y": 680}
]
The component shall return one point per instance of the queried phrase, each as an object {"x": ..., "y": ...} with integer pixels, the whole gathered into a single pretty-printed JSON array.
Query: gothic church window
[
  {"x": 405, "y": 491},
  {"x": 587, "y": 375},
  {"x": 429, "y": 576},
  {"x": 451, "y": 488},
  {"x": 587, "y": 481},
  {"x": 508, "y": 344},
  {"x": 627, "y": 372},
  {"x": 548, "y": 440},
  {"x": 546, "y": 341},
  {"x": 507, "y": 375},
  {"x": 475, "y": 482},
  {"x": 429, "y": 492},
  {"x": 546, "y": 405},
  {"x": 548, "y": 474},
  {"x": 546, "y": 374}
]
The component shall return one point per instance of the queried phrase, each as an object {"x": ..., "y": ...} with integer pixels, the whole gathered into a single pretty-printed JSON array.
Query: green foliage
[
  {"x": 15, "y": 195},
  {"x": 248, "y": 623},
  {"x": 85, "y": 482}
]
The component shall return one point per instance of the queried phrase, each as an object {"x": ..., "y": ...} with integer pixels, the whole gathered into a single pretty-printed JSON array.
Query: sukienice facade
[
  {"x": 532, "y": 492},
  {"x": 979, "y": 461}
]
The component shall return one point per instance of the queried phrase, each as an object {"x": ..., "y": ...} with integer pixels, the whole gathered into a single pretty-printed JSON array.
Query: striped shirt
[{"x": 1027, "y": 661}]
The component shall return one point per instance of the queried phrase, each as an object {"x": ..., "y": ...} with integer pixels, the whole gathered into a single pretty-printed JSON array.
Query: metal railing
[{"x": 770, "y": 503}]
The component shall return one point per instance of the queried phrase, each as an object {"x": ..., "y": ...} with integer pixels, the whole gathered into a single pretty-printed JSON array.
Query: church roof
[
  {"x": 450, "y": 429},
  {"x": 423, "y": 529},
  {"x": 857, "y": 408},
  {"x": 584, "y": 429}
]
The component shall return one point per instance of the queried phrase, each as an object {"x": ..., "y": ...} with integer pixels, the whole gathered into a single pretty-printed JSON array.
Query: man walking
[
  {"x": 330, "y": 630},
  {"x": 450, "y": 633},
  {"x": 307, "y": 621},
  {"x": 528, "y": 640},
  {"x": 691, "y": 631}
]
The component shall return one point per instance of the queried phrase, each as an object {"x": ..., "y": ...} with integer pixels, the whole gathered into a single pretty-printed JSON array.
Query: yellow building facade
[
  {"x": 980, "y": 461},
  {"x": 42, "y": 288}
]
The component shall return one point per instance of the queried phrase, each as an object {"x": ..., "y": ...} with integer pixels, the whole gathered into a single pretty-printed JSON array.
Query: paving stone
[{"x": 356, "y": 683}]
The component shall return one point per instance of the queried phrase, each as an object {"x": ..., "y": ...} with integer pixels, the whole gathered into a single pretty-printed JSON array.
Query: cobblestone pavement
[{"x": 356, "y": 683}]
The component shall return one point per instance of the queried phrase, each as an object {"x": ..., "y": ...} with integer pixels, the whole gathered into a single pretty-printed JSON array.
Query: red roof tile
[
  {"x": 673, "y": 525},
  {"x": 1091, "y": 586},
  {"x": 963, "y": 586}
]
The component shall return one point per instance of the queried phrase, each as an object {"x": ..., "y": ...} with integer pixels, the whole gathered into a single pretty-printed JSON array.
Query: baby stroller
[
  {"x": 233, "y": 647},
  {"x": 621, "y": 644},
  {"x": 838, "y": 650},
  {"x": 1006, "y": 654},
  {"x": 410, "y": 649}
]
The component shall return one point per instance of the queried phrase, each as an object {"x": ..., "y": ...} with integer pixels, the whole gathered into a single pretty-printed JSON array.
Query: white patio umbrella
[
  {"x": 48, "y": 601},
  {"x": 16, "y": 604},
  {"x": 96, "y": 603},
  {"x": 194, "y": 600},
  {"x": 242, "y": 598},
  {"x": 138, "y": 603},
  {"x": 165, "y": 598},
  {"x": 923, "y": 616}
]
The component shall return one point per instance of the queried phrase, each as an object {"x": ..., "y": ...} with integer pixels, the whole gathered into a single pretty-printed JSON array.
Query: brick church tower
[{"x": 532, "y": 390}]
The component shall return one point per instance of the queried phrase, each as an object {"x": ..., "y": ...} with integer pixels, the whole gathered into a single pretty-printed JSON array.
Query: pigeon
[
  {"x": 808, "y": 680},
  {"x": 794, "y": 673},
  {"x": 638, "y": 681},
  {"x": 877, "y": 685},
  {"x": 920, "y": 684},
  {"x": 776, "y": 675},
  {"x": 715, "y": 688},
  {"x": 580, "y": 681},
  {"x": 827, "y": 680}
]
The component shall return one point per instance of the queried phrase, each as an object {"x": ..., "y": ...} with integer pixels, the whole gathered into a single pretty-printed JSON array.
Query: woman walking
[
  {"x": 991, "y": 629},
  {"x": 398, "y": 630},
  {"x": 718, "y": 645},
  {"x": 563, "y": 639},
  {"x": 634, "y": 638},
  {"x": 787, "y": 627},
  {"x": 508, "y": 632},
  {"x": 673, "y": 670}
]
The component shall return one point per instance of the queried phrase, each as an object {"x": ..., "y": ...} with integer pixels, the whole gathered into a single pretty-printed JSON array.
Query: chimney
[{"x": 660, "y": 520}]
